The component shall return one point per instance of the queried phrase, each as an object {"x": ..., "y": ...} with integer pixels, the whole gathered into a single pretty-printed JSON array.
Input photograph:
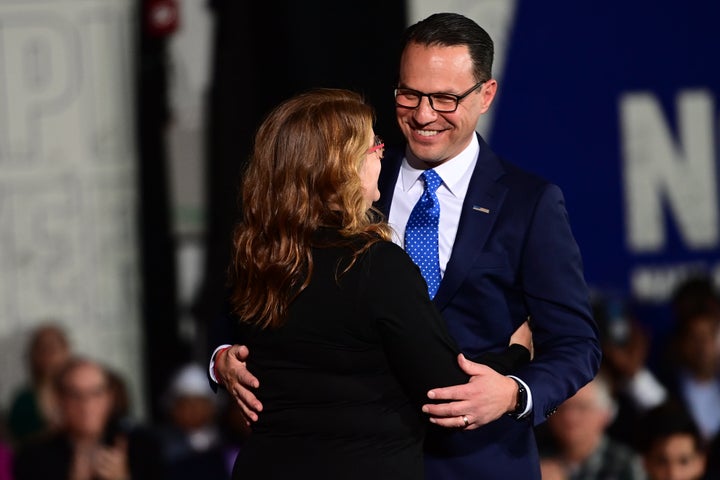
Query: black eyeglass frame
[{"x": 420, "y": 94}]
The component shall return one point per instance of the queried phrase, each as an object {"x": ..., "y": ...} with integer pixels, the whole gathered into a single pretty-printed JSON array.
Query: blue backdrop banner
[{"x": 616, "y": 102}]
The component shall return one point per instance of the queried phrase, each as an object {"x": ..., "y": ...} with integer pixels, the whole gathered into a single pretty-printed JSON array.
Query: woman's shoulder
[
  {"x": 385, "y": 272},
  {"x": 387, "y": 258},
  {"x": 388, "y": 250}
]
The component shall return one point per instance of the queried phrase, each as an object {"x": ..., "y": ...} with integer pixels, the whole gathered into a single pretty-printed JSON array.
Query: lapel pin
[{"x": 481, "y": 209}]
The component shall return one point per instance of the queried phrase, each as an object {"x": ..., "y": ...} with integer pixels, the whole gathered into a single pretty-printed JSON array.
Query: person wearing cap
[{"x": 190, "y": 435}]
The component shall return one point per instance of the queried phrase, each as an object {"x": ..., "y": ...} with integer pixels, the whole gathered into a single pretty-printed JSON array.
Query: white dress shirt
[
  {"x": 703, "y": 399},
  {"x": 455, "y": 174}
]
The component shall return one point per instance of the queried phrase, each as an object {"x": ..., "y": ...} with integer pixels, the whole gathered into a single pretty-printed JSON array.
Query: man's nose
[{"x": 424, "y": 112}]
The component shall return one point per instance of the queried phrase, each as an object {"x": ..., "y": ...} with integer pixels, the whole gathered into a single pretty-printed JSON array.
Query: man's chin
[{"x": 421, "y": 153}]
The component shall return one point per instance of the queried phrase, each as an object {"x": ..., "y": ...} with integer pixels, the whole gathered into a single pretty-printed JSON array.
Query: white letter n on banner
[{"x": 659, "y": 171}]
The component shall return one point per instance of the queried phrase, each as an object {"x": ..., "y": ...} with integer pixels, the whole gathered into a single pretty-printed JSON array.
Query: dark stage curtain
[
  {"x": 264, "y": 52},
  {"x": 163, "y": 350}
]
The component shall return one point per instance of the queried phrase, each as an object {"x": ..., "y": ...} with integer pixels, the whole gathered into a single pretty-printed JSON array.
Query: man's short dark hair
[
  {"x": 661, "y": 422},
  {"x": 452, "y": 29}
]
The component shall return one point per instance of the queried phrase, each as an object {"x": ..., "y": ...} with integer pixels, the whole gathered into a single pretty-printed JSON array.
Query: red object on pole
[{"x": 162, "y": 17}]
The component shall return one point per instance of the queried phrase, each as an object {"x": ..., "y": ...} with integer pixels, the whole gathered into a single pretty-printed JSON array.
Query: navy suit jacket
[{"x": 514, "y": 257}]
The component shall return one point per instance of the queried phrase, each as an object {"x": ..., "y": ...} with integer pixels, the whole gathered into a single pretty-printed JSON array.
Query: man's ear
[{"x": 487, "y": 93}]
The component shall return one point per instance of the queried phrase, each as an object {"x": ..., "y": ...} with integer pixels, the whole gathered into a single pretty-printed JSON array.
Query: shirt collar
[{"x": 454, "y": 172}]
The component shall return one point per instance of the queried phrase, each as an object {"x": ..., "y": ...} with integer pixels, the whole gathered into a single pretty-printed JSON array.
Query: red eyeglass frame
[{"x": 379, "y": 144}]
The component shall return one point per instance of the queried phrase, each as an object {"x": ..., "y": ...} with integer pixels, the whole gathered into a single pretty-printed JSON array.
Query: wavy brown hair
[{"x": 304, "y": 174}]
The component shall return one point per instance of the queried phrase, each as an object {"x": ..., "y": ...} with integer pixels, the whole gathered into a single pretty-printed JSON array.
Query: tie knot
[{"x": 432, "y": 180}]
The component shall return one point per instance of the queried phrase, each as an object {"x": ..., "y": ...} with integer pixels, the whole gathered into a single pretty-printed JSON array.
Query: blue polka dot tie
[{"x": 421, "y": 232}]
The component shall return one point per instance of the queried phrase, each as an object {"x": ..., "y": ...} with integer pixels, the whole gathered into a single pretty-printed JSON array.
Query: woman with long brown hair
[{"x": 343, "y": 335}]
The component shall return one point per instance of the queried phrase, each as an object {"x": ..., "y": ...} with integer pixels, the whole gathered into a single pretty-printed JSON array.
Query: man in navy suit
[{"x": 506, "y": 253}]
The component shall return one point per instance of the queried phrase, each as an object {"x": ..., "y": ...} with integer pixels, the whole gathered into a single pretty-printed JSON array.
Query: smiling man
[{"x": 504, "y": 250}]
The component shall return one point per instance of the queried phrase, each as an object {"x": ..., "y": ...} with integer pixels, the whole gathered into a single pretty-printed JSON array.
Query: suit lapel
[{"x": 480, "y": 209}]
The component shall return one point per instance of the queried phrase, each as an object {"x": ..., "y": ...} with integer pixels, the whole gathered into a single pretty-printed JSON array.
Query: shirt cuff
[
  {"x": 211, "y": 369},
  {"x": 528, "y": 407}
]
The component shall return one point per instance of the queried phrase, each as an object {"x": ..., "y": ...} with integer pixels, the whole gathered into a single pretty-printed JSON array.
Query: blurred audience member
[
  {"x": 581, "y": 449},
  {"x": 697, "y": 294},
  {"x": 552, "y": 469},
  {"x": 191, "y": 437},
  {"x": 120, "y": 415},
  {"x": 625, "y": 345},
  {"x": 671, "y": 445},
  {"x": 6, "y": 454},
  {"x": 89, "y": 444},
  {"x": 33, "y": 408},
  {"x": 6, "y": 457},
  {"x": 693, "y": 374}
]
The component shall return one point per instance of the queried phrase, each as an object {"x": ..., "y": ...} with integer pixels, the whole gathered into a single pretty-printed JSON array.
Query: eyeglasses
[
  {"x": 378, "y": 146},
  {"x": 440, "y": 102}
]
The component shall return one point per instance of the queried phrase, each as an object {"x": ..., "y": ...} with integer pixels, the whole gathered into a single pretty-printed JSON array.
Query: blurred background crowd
[
  {"x": 125, "y": 124},
  {"x": 638, "y": 419},
  {"x": 73, "y": 418}
]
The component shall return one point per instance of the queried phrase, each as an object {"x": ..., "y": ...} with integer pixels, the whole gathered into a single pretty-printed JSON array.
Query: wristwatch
[{"x": 522, "y": 400}]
